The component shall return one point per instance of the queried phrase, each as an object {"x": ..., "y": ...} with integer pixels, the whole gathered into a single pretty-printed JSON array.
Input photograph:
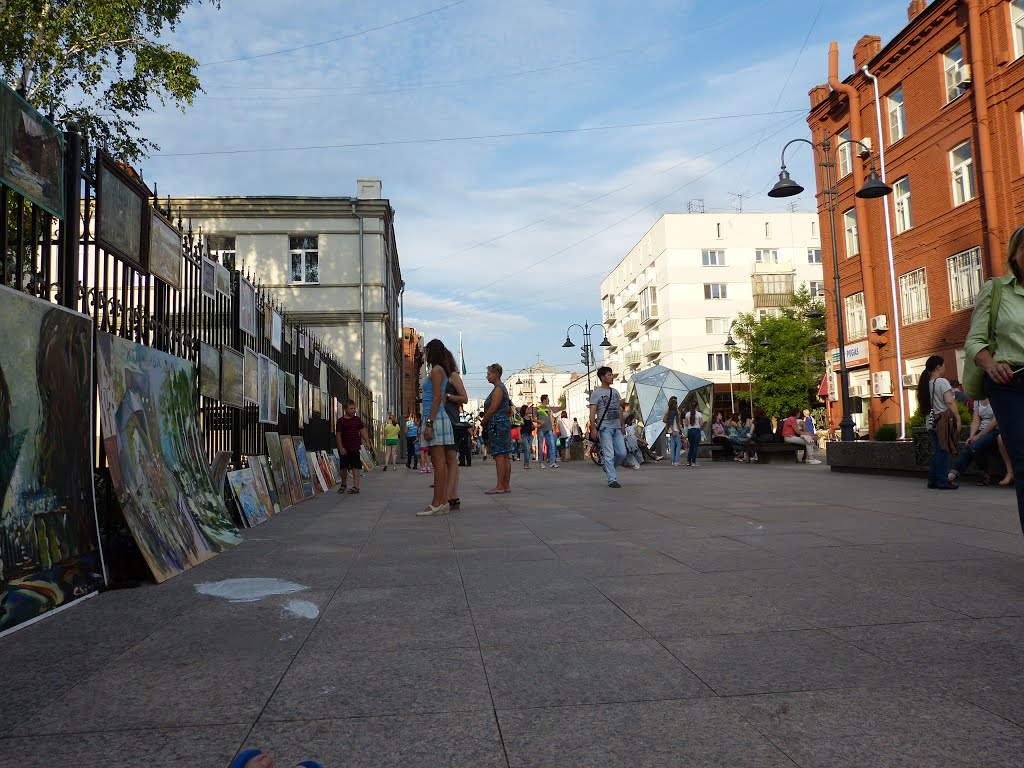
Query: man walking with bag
[{"x": 608, "y": 427}]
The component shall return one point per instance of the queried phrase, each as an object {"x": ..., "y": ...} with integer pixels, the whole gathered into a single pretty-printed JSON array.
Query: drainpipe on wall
[
  {"x": 362, "y": 298},
  {"x": 892, "y": 265},
  {"x": 989, "y": 201},
  {"x": 860, "y": 206}
]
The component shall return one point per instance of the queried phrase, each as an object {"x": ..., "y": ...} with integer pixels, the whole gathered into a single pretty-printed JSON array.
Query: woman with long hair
[
  {"x": 935, "y": 398},
  {"x": 673, "y": 425},
  {"x": 454, "y": 397},
  {"x": 694, "y": 422},
  {"x": 391, "y": 432},
  {"x": 497, "y": 426},
  {"x": 436, "y": 430}
]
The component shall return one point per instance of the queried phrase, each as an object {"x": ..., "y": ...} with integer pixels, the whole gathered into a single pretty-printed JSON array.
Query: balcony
[
  {"x": 772, "y": 290},
  {"x": 784, "y": 267},
  {"x": 632, "y": 327},
  {"x": 649, "y": 314},
  {"x": 633, "y": 358},
  {"x": 651, "y": 348},
  {"x": 609, "y": 314},
  {"x": 630, "y": 299}
]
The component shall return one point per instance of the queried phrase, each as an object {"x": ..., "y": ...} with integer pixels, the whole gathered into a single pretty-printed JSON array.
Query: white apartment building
[
  {"x": 331, "y": 261},
  {"x": 673, "y": 298}
]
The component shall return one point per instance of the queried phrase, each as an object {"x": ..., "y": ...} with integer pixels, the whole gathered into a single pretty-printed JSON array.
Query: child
[{"x": 351, "y": 435}]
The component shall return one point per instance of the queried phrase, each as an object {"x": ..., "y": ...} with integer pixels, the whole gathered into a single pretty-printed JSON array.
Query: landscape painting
[
  {"x": 209, "y": 371},
  {"x": 232, "y": 377},
  {"x": 209, "y": 279},
  {"x": 282, "y": 391},
  {"x": 165, "y": 257},
  {"x": 246, "y": 306},
  {"x": 270, "y": 482},
  {"x": 120, "y": 203},
  {"x": 273, "y": 387},
  {"x": 290, "y": 390},
  {"x": 157, "y": 461},
  {"x": 291, "y": 464},
  {"x": 260, "y": 481},
  {"x": 263, "y": 388},
  {"x": 275, "y": 330},
  {"x": 31, "y": 153},
  {"x": 48, "y": 537},
  {"x": 251, "y": 372},
  {"x": 286, "y": 484},
  {"x": 223, "y": 280},
  {"x": 243, "y": 485},
  {"x": 308, "y": 488}
]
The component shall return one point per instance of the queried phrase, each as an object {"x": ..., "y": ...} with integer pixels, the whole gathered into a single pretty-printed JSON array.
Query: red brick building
[
  {"x": 951, "y": 97},
  {"x": 412, "y": 365}
]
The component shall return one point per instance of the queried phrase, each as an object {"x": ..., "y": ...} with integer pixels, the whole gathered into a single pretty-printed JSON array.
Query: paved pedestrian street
[{"x": 727, "y": 615}]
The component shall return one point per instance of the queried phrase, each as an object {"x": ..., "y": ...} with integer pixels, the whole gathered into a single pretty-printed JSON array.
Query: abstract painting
[
  {"x": 243, "y": 485},
  {"x": 305, "y": 472},
  {"x": 270, "y": 483},
  {"x": 246, "y": 306},
  {"x": 251, "y": 387},
  {"x": 232, "y": 377},
  {"x": 31, "y": 153},
  {"x": 223, "y": 280},
  {"x": 157, "y": 460},
  {"x": 209, "y": 279},
  {"x": 209, "y": 371},
  {"x": 165, "y": 256},
  {"x": 291, "y": 463},
  {"x": 275, "y": 330},
  {"x": 48, "y": 537}
]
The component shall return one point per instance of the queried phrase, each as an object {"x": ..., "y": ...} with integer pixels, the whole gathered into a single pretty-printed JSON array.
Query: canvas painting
[
  {"x": 48, "y": 537},
  {"x": 155, "y": 450},
  {"x": 275, "y": 454},
  {"x": 289, "y": 465},
  {"x": 274, "y": 396},
  {"x": 223, "y": 278},
  {"x": 209, "y": 279},
  {"x": 319, "y": 481},
  {"x": 275, "y": 330},
  {"x": 326, "y": 469},
  {"x": 317, "y": 401},
  {"x": 301, "y": 490},
  {"x": 251, "y": 388},
  {"x": 263, "y": 388},
  {"x": 305, "y": 472},
  {"x": 121, "y": 202},
  {"x": 232, "y": 377},
  {"x": 336, "y": 460},
  {"x": 165, "y": 257},
  {"x": 243, "y": 485},
  {"x": 261, "y": 483},
  {"x": 219, "y": 470},
  {"x": 323, "y": 378},
  {"x": 31, "y": 153},
  {"x": 282, "y": 391},
  {"x": 263, "y": 465},
  {"x": 291, "y": 390},
  {"x": 246, "y": 306},
  {"x": 316, "y": 359},
  {"x": 268, "y": 319},
  {"x": 302, "y": 400},
  {"x": 209, "y": 371}
]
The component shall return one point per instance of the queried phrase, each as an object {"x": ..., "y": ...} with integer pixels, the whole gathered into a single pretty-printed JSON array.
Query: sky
[{"x": 525, "y": 147}]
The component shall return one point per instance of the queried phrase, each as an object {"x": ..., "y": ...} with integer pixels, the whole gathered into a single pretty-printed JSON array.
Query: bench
[{"x": 769, "y": 452}]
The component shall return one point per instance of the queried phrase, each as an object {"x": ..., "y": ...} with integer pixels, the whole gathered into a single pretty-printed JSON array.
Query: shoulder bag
[
  {"x": 974, "y": 376},
  {"x": 595, "y": 431}
]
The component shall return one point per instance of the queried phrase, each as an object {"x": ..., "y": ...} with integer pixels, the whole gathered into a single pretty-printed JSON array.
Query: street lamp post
[
  {"x": 873, "y": 187},
  {"x": 587, "y": 328}
]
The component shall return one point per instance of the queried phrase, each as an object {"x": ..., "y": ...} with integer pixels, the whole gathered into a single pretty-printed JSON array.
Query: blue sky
[{"x": 506, "y": 238}]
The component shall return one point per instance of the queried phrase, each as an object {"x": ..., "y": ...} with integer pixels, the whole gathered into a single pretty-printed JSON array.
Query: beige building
[
  {"x": 673, "y": 298},
  {"x": 528, "y": 384},
  {"x": 331, "y": 261}
]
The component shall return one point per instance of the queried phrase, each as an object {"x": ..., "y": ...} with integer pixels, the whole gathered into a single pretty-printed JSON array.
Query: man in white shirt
[{"x": 608, "y": 424}]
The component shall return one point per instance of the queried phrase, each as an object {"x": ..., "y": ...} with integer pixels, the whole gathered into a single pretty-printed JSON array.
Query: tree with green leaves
[
  {"x": 783, "y": 354},
  {"x": 98, "y": 64}
]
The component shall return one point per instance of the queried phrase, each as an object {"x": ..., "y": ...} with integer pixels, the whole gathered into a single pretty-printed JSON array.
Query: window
[
  {"x": 897, "y": 115},
  {"x": 816, "y": 288},
  {"x": 850, "y": 225},
  {"x": 965, "y": 278},
  {"x": 719, "y": 361},
  {"x": 901, "y": 198},
  {"x": 305, "y": 258},
  {"x": 962, "y": 166},
  {"x": 1017, "y": 24},
  {"x": 767, "y": 230},
  {"x": 766, "y": 255},
  {"x": 222, "y": 249},
  {"x": 844, "y": 153},
  {"x": 914, "y": 296},
  {"x": 718, "y": 230},
  {"x": 856, "y": 317},
  {"x": 715, "y": 291},
  {"x": 814, "y": 229},
  {"x": 717, "y": 325},
  {"x": 763, "y": 313},
  {"x": 772, "y": 284},
  {"x": 712, "y": 258},
  {"x": 814, "y": 255},
  {"x": 953, "y": 63}
]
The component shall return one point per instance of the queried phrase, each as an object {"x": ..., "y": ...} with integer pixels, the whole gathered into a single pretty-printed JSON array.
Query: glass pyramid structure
[{"x": 649, "y": 391}]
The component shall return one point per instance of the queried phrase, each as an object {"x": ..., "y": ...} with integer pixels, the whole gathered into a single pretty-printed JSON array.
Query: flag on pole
[{"x": 462, "y": 358}]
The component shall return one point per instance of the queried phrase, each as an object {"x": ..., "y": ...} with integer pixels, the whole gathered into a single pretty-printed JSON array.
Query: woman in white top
[
  {"x": 935, "y": 398},
  {"x": 694, "y": 423}
]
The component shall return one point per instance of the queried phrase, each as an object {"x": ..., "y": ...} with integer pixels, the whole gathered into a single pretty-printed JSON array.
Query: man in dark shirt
[
  {"x": 351, "y": 435},
  {"x": 526, "y": 433}
]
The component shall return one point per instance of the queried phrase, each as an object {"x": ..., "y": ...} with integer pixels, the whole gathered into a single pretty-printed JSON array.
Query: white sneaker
[
  {"x": 438, "y": 510},
  {"x": 553, "y": 466},
  {"x": 814, "y": 461}
]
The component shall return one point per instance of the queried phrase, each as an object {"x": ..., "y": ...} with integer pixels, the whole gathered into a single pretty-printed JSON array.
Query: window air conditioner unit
[
  {"x": 858, "y": 390},
  {"x": 879, "y": 323},
  {"x": 909, "y": 381},
  {"x": 881, "y": 384},
  {"x": 962, "y": 75}
]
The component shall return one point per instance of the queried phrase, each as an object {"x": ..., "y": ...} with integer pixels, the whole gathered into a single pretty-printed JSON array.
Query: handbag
[
  {"x": 595, "y": 431},
  {"x": 974, "y": 376}
]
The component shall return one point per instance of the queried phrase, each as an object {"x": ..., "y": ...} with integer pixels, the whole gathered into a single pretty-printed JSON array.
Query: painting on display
[
  {"x": 251, "y": 371},
  {"x": 282, "y": 391},
  {"x": 219, "y": 470},
  {"x": 121, "y": 203},
  {"x": 316, "y": 359},
  {"x": 323, "y": 378},
  {"x": 261, "y": 483},
  {"x": 305, "y": 472},
  {"x": 303, "y": 406},
  {"x": 48, "y": 537},
  {"x": 31, "y": 153},
  {"x": 317, "y": 401},
  {"x": 263, "y": 388},
  {"x": 326, "y": 469},
  {"x": 157, "y": 460},
  {"x": 223, "y": 278},
  {"x": 243, "y": 486},
  {"x": 286, "y": 474},
  {"x": 275, "y": 330},
  {"x": 269, "y": 482},
  {"x": 268, "y": 320},
  {"x": 165, "y": 258},
  {"x": 319, "y": 481},
  {"x": 300, "y": 490},
  {"x": 290, "y": 392},
  {"x": 209, "y": 371},
  {"x": 246, "y": 306},
  {"x": 232, "y": 377},
  {"x": 336, "y": 460},
  {"x": 208, "y": 280},
  {"x": 274, "y": 395}
]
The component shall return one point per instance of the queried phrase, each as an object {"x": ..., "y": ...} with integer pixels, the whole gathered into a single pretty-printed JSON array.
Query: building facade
[
  {"x": 412, "y": 370},
  {"x": 526, "y": 385},
  {"x": 333, "y": 261},
  {"x": 673, "y": 298},
  {"x": 949, "y": 123}
]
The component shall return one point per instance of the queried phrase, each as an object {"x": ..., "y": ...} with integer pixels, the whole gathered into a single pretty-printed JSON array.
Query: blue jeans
[
  {"x": 412, "y": 456},
  {"x": 1008, "y": 405},
  {"x": 527, "y": 449},
  {"x": 977, "y": 451},
  {"x": 675, "y": 442},
  {"x": 549, "y": 438},
  {"x": 693, "y": 435},
  {"x": 613, "y": 446},
  {"x": 938, "y": 467}
]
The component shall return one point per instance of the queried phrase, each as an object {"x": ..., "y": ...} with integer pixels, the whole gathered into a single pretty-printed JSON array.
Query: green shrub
[
  {"x": 887, "y": 433},
  {"x": 917, "y": 420}
]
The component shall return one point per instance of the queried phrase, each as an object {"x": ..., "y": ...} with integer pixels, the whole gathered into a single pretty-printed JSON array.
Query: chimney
[
  {"x": 368, "y": 189},
  {"x": 818, "y": 94},
  {"x": 865, "y": 50},
  {"x": 916, "y": 6}
]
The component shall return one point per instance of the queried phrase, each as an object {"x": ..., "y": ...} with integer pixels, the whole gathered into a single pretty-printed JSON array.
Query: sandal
[
  {"x": 244, "y": 757},
  {"x": 353, "y": 490},
  {"x": 454, "y": 503},
  {"x": 341, "y": 489},
  {"x": 986, "y": 480}
]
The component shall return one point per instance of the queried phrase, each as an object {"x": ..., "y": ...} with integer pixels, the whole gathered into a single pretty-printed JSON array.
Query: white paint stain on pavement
[
  {"x": 248, "y": 590},
  {"x": 302, "y": 609}
]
